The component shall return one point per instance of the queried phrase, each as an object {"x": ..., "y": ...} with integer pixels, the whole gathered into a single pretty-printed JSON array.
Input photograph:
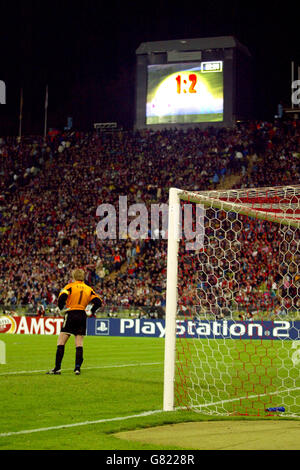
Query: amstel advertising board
[{"x": 138, "y": 327}]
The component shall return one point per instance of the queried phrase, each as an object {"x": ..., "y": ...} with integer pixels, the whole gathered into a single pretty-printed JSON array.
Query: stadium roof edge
[{"x": 218, "y": 42}]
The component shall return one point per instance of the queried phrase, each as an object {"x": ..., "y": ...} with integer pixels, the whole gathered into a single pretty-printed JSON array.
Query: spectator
[{"x": 43, "y": 209}]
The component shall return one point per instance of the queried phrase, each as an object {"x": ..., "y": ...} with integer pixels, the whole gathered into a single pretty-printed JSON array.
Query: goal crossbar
[{"x": 269, "y": 204}]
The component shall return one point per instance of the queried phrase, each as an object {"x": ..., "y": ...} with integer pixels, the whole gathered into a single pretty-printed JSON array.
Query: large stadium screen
[{"x": 185, "y": 93}]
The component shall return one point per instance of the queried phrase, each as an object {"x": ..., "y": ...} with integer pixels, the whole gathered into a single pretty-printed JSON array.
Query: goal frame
[{"x": 205, "y": 198}]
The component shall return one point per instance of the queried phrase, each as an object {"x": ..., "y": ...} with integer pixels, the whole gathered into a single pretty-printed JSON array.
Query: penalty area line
[
  {"x": 109, "y": 366},
  {"x": 84, "y": 423}
]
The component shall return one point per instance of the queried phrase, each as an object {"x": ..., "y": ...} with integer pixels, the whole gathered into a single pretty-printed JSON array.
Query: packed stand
[{"x": 50, "y": 192}]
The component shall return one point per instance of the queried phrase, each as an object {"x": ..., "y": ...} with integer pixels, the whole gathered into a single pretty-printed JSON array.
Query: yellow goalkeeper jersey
[{"x": 79, "y": 295}]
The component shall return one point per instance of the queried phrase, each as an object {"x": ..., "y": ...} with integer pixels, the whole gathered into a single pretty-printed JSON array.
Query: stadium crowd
[{"x": 50, "y": 191}]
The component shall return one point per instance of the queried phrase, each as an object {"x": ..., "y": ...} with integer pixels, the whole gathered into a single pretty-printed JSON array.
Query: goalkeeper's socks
[
  {"x": 59, "y": 356},
  {"x": 79, "y": 357}
]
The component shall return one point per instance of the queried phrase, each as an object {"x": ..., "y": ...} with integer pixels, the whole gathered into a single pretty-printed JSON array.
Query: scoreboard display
[
  {"x": 196, "y": 82},
  {"x": 183, "y": 93}
]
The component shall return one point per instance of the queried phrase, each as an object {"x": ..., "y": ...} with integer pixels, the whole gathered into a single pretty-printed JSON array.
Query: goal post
[
  {"x": 233, "y": 305},
  {"x": 2, "y": 352},
  {"x": 171, "y": 298}
]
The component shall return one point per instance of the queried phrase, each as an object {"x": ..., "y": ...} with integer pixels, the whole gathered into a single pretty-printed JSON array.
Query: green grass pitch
[
  {"x": 121, "y": 377},
  {"x": 120, "y": 388}
]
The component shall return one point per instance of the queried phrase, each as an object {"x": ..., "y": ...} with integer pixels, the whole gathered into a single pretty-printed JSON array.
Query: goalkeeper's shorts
[{"x": 74, "y": 323}]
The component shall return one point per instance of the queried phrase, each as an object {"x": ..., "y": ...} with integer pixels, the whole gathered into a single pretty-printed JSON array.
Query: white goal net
[{"x": 233, "y": 302}]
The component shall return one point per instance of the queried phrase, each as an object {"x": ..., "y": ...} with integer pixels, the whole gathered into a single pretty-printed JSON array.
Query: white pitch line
[
  {"x": 110, "y": 366},
  {"x": 249, "y": 397},
  {"x": 123, "y": 418},
  {"x": 84, "y": 423}
]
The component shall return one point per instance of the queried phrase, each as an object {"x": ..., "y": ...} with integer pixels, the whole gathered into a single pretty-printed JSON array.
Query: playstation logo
[{"x": 102, "y": 327}]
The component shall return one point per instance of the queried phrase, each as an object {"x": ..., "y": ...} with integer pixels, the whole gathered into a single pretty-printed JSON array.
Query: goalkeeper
[{"x": 74, "y": 298}]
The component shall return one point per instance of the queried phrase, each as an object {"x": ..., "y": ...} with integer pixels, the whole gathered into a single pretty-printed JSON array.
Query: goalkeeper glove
[{"x": 88, "y": 310}]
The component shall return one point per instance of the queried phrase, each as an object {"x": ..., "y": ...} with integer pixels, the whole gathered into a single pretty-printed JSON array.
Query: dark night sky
[{"x": 85, "y": 52}]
